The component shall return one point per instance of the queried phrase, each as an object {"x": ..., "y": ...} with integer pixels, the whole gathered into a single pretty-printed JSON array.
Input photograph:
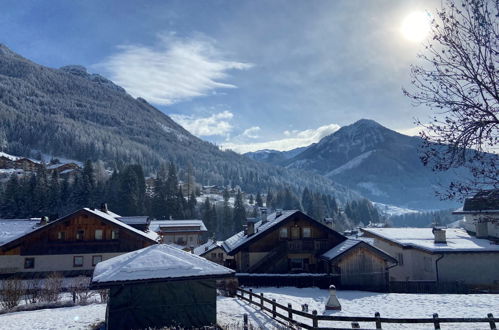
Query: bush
[
  {"x": 11, "y": 292},
  {"x": 80, "y": 290},
  {"x": 32, "y": 288},
  {"x": 52, "y": 288},
  {"x": 104, "y": 295}
]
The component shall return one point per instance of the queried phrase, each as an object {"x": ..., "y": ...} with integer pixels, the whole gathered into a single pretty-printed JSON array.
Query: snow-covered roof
[
  {"x": 135, "y": 220},
  {"x": 458, "y": 240},
  {"x": 208, "y": 246},
  {"x": 10, "y": 229},
  {"x": 350, "y": 243},
  {"x": 114, "y": 218},
  {"x": 156, "y": 262},
  {"x": 273, "y": 220},
  {"x": 461, "y": 211},
  {"x": 177, "y": 225}
]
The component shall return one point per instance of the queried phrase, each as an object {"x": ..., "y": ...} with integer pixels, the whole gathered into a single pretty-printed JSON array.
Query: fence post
[
  {"x": 261, "y": 300},
  {"x": 290, "y": 313},
  {"x": 491, "y": 321},
  {"x": 315, "y": 322},
  {"x": 251, "y": 294},
  {"x": 378, "y": 321},
  {"x": 245, "y": 321},
  {"x": 436, "y": 323}
]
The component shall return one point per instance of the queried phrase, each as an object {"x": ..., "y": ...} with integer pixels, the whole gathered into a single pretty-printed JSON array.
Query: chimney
[
  {"x": 263, "y": 215},
  {"x": 250, "y": 227},
  {"x": 439, "y": 235},
  {"x": 482, "y": 230},
  {"x": 103, "y": 207}
]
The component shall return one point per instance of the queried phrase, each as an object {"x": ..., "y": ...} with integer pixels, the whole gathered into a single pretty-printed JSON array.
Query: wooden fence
[{"x": 285, "y": 314}]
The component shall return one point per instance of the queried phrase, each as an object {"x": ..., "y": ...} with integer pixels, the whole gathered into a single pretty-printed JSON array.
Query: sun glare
[{"x": 416, "y": 26}]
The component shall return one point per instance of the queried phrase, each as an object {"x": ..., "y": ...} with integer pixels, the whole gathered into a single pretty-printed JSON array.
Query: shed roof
[
  {"x": 156, "y": 262},
  {"x": 458, "y": 240},
  {"x": 350, "y": 244}
]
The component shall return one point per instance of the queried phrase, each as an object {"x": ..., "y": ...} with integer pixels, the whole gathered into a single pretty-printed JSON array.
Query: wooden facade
[
  {"x": 291, "y": 246},
  {"x": 72, "y": 243}
]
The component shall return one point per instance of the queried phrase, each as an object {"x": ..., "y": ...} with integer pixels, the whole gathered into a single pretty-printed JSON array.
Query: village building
[
  {"x": 185, "y": 233},
  {"x": 290, "y": 244},
  {"x": 439, "y": 255},
  {"x": 71, "y": 245},
  {"x": 481, "y": 214},
  {"x": 215, "y": 251},
  {"x": 159, "y": 286}
]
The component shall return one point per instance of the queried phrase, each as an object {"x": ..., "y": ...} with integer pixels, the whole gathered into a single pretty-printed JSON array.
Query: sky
[{"x": 245, "y": 75}]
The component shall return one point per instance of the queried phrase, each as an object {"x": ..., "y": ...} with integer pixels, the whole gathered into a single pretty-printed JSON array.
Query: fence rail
[{"x": 285, "y": 313}]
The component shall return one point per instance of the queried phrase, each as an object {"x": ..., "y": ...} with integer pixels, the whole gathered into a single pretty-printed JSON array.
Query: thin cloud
[
  {"x": 251, "y": 132},
  {"x": 294, "y": 139},
  {"x": 173, "y": 71},
  {"x": 215, "y": 124}
]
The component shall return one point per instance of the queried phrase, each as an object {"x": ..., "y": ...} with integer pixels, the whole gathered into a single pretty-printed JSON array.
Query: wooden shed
[
  {"x": 159, "y": 286},
  {"x": 359, "y": 265}
]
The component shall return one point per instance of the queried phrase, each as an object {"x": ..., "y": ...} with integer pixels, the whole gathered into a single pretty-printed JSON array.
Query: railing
[{"x": 284, "y": 313}]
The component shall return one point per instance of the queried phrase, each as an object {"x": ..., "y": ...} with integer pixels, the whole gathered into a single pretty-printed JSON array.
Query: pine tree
[
  {"x": 239, "y": 217},
  {"x": 259, "y": 201}
]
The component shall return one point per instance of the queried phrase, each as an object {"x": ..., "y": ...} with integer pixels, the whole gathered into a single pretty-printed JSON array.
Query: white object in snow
[{"x": 333, "y": 303}]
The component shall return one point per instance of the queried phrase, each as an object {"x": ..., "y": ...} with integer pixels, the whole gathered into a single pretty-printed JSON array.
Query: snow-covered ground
[
  {"x": 392, "y": 209},
  {"x": 230, "y": 311}
]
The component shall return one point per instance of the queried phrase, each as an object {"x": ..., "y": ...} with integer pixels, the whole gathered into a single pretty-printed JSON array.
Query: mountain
[
  {"x": 379, "y": 163},
  {"x": 275, "y": 157},
  {"x": 71, "y": 113}
]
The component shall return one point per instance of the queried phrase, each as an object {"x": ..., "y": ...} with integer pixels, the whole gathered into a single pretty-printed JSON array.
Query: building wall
[
  {"x": 49, "y": 263},
  {"x": 480, "y": 269},
  {"x": 491, "y": 219},
  {"x": 217, "y": 255},
  {"x": 187, "y": 239}
]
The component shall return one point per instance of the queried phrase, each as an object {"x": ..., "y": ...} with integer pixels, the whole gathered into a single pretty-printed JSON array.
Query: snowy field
[{"x": 231, "y": 310}]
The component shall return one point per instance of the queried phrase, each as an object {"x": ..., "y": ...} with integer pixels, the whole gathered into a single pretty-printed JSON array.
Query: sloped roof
[
  {"x": 156, "y": 225},
  {"x": 103, "y": 215},
  {"x": 156, "y": 262},
  {"x": 458, "y": 240},
  {"x": 135, "y": 220},
  {"x": 233, "y": 243},
  {"x": 350, "y": 244},
  {"x": 208, "y": 246},
  {"x": 10, "y": 229}
]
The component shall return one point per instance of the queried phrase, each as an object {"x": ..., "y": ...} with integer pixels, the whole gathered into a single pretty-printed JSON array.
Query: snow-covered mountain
[
  {"x": 377, "y": 162},
  {"x": 274, "y": 156}
]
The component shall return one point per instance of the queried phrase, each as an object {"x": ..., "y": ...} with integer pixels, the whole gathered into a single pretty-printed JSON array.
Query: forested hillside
[{"x": 71, "y": 113}]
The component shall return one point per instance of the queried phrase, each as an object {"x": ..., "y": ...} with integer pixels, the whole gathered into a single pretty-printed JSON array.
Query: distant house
[
  {"x": 137, "y": 222},
  {"x": 481, "y": 214},
  {"x": 71, "y": 245},
  {"x": 186, "y": 233},
  {"x": 439, "y": 255},
  {"x": 159, "y": 286},
  {"x": 216, "y": 252}
]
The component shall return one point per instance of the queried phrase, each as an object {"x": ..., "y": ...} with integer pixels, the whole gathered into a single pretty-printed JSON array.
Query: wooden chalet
[
  {"x": 72, "y": 245},
  {"x": 185, "y": 233}
]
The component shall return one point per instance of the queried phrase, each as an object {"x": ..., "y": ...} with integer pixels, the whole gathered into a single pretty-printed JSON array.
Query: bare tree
[
  {"x": 11, "y": 292},
  {"x": 459, "y": 81}
]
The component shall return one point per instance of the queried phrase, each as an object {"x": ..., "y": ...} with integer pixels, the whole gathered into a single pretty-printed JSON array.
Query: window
[
  {"x": 98, "y": 234},
  {"x": 61, "y": 235},
  {"x": 78, "y": 261},
  {"x": 80, "y": 233},
  {"x": 29, "y": 263},
  {"x": 296, "y": 264},
  {"x": 400, "y": 258},
  {"x": 306, "y": 232},
  {"x": 115, "y": 234},
  {"x": 213, "y": 255},
  {"x": 220, "y": 255},
  {"x": 295, "y": 232},
  {"x": 96, "y": 260},
  {"x": 283, "y": 232}
]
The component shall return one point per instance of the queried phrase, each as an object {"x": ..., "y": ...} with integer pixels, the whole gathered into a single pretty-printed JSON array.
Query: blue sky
[{"x": 243, "y": 74}]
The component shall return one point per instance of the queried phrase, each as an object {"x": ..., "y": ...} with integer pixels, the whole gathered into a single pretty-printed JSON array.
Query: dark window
[
  {"x": 283, "y": 232},
  {"x": 96, "y": 260},
  {"x": 295, "y": 232},
  {"x": 400, "y": 258},
  {"x": 115, "y": 234},
  {"x": 78, "y": 261},
  {"x": 61, "y": 235},
  {"x": 98, "y": 234},
  {"x": 80, "y": 233},
  {"x": 29, "y": 263}
]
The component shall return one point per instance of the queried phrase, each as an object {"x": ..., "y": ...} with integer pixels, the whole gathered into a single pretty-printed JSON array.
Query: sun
[{"x": 416, "y": 26}]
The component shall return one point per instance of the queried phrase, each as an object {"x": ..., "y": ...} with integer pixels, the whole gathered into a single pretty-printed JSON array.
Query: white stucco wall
[{"x": 49, "y": 263}]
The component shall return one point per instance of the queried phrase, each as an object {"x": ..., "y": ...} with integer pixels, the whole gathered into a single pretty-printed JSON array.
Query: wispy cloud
[
  {"x": 174, "y": 70},
  {"x": 252, "y": 132},
  {"x": 294, "y": 139},
  {"x": 215, "y": 124}
]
